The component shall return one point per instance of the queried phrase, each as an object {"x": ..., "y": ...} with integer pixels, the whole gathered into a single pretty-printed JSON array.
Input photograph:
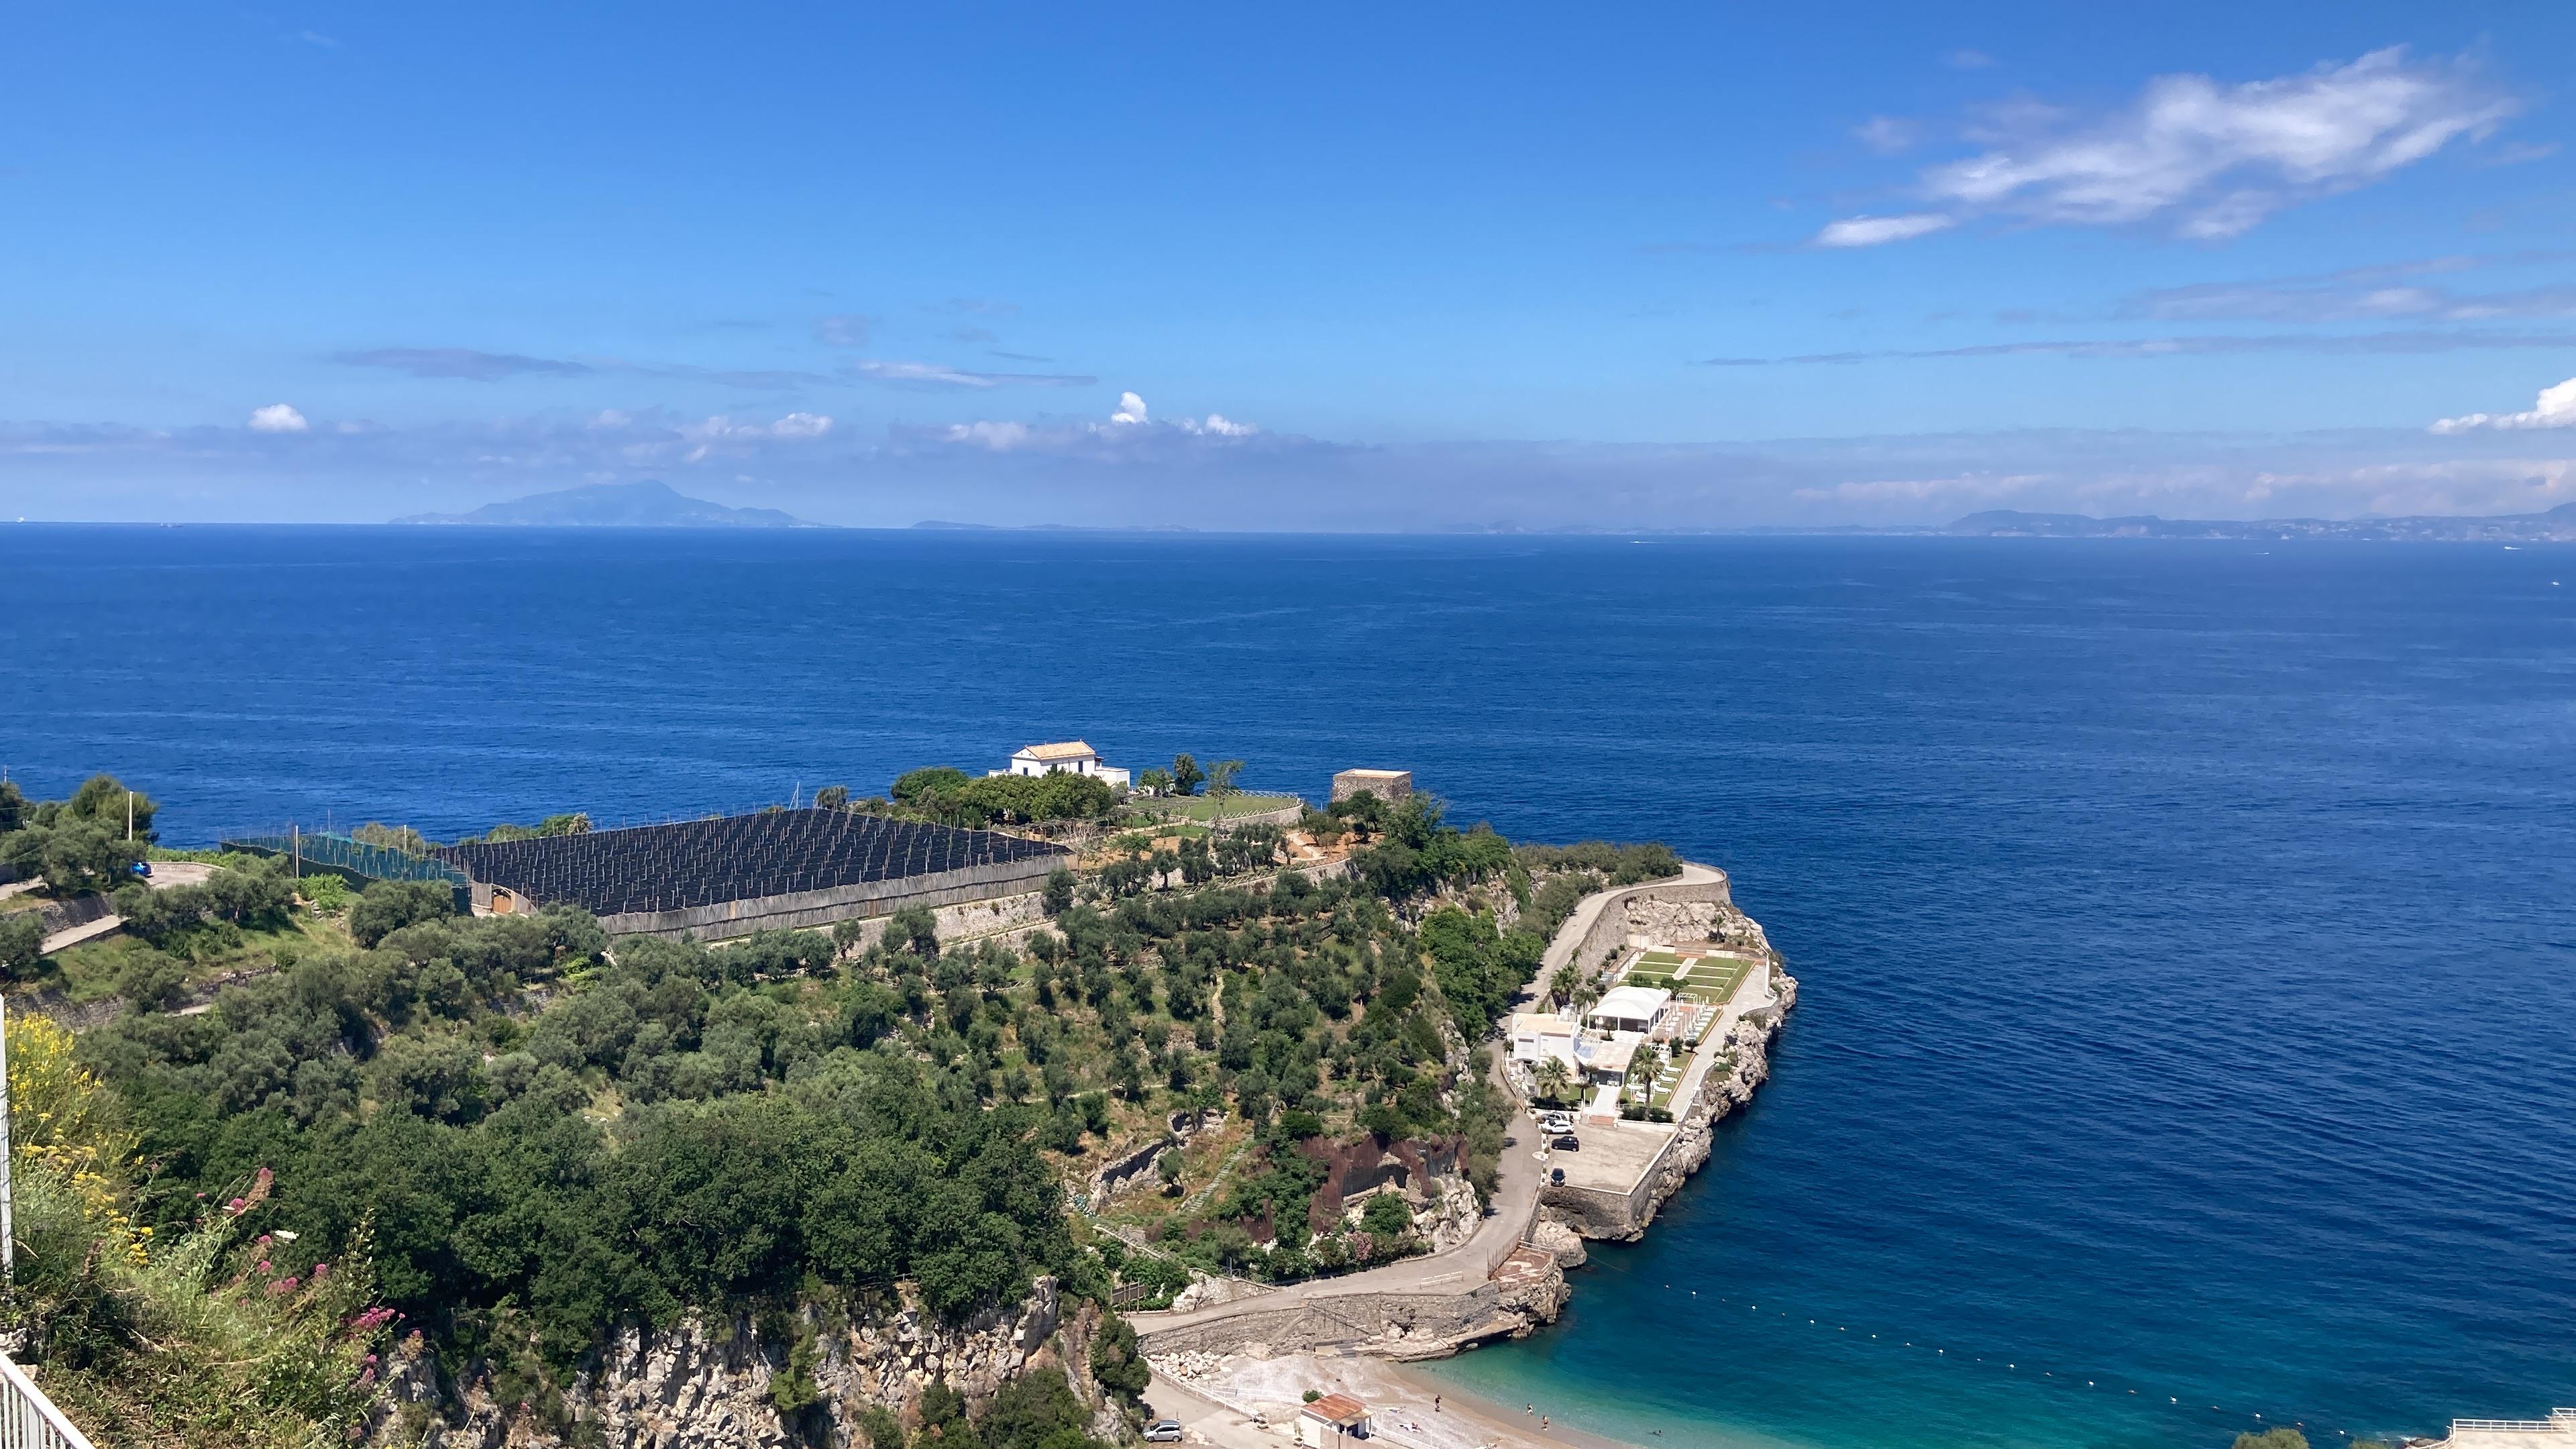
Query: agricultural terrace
[{"x": 517, "y": 1142}]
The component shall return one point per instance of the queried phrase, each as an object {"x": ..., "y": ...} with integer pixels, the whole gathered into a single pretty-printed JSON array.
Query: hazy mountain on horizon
[
  {"x": 2556, "y": 525},
  {"x": 648, "y": 504}
]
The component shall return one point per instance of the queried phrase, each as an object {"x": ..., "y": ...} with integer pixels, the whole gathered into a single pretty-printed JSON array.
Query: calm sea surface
[{"x": 2187, "y": 932}]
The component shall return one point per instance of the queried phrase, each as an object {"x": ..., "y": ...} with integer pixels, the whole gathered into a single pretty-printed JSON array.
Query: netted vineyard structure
[
  {"x": 355, "y": 861},
  {"x": 748, "y": 872}
]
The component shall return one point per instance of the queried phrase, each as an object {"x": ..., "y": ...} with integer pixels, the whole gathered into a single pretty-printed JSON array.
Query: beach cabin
[
  {"x": 1628, "y": 1009},
  {"x": 1064, "y": 756},
  {"x": 1324, "y": 1423}
]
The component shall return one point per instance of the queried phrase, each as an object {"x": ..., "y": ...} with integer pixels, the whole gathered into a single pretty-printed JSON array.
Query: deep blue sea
[{"x": 2187, "y": 933}]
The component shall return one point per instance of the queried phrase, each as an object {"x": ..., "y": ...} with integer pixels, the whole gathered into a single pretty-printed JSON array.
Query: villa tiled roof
[{"x": 1067, "y": 750}]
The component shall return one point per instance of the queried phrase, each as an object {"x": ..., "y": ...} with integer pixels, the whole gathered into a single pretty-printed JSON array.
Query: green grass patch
[{"x": 1713, "y": 979}]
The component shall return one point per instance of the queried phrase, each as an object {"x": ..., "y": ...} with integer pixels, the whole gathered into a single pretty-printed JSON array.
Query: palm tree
[
  {"x": 1552, "y": 1078},
  {"x": 1221, "y": 783}
]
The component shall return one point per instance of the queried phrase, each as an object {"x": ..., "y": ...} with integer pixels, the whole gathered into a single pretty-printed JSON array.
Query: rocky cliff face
[
  {"x": 705, "y": 1384},
  {"x": 1721, "y": 1093}
]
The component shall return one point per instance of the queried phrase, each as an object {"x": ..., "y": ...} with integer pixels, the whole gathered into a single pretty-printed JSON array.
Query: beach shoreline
[{"x": 1253, "y": 1404}]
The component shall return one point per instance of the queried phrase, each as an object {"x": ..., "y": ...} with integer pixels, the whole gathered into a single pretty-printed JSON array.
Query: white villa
[
  {"x": 1538, "y": 1035},
  {"x": 1067, "y": 755},
  {"x": 1596, "y": 1055}
]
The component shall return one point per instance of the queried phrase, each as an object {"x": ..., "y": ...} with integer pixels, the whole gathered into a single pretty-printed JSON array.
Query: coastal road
[{"x": 1464, "y": 1268}]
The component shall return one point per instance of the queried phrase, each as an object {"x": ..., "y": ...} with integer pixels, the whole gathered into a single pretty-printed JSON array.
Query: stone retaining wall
[
  {"x": 1611, "y": 929},
  {"x": 806, "y": 909},
  {"x": 1396, "y": 1325}
]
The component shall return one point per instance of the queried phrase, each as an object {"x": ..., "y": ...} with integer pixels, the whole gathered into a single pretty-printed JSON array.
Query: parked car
[
  {"x": 1163, "y": 1431},
  {"x": 1567, "y": 1143}
]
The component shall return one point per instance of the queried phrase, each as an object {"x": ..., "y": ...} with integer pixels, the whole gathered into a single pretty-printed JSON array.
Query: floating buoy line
[{"x": 2012, "y": 1366}]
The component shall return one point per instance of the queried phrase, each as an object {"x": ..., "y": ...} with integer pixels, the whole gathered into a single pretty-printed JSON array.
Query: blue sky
[{"x": 1320, "y": 267}]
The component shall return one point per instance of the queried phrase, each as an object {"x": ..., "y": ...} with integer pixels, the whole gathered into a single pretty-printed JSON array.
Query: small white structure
[
  {"x": 1326, "y": 1422},
  {"x": 1538, "y": 1035},
  {"x": 1628, "y": 1009},
  {"x": 1065, "y": 756}
]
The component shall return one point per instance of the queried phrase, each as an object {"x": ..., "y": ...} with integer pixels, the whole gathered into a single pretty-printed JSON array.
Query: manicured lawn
[{"x": 1714, "y": 979}]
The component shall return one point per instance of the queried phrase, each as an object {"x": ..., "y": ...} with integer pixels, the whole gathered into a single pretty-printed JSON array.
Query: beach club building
[
  {"x": 1628, "y": 1009},
  {"x": 1324, "y": 1423},
  {"x": 1064, "y": 756}
]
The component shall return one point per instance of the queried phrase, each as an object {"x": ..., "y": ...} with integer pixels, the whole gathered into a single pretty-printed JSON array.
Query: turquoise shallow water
[{"x": 2187, "y": 934}]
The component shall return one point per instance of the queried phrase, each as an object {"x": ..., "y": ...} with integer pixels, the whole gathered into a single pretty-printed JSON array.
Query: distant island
[
  {"x": 649, "y": 504},
  {"x": 2556, "y": 525}
]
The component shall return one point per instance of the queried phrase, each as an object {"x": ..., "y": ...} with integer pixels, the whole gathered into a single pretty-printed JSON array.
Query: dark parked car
[{"x": 1567, "y": 1143}]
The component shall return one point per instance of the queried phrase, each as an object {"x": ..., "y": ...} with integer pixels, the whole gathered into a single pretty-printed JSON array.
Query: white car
[{"x": 1163, "y": 1431}]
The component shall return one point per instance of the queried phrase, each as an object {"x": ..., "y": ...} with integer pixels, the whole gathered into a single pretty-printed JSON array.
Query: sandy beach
[{"x": 1220, "y": 1406}]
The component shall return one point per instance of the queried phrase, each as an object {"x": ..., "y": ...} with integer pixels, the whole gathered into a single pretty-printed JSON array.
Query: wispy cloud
[
  {"x": 2556, "y": 408},
  {"x": 278, "y": 418},
  {"x": 843, "y": 329},
  {"x": 1870, "y": 231},
  {"x": 2211, "y": 160},
  {"x": 1888, "y": 135},
  {"x": 1965, "y": 59},
  {"x": 1130, "y": 424},
  {"x": 2399, "y": 290},
  {"x": 460, "y": 362},
  {"x": 2122, "y": 347},
  {"x": 941, "y": 375},
  {"x": 466, "y": 364}
]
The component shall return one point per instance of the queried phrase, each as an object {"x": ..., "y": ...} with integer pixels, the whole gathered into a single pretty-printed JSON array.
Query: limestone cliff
[{"x": 708, "y": 1384}]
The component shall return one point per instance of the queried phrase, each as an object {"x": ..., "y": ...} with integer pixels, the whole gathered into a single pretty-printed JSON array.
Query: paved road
[{"x": 1463, "y": 1268}]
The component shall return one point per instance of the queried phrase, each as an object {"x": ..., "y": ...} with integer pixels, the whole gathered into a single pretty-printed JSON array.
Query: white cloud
[
  {"x": 939, "y": 374},
  {"x": 278, "y": 418},
  {"x": 1888, "y": 135},
  {"x": 1224, "y": 427},
  {"x": 1870, "y": 231},
  {"x": 2217, "y": 159},
  {"x": 793, "y": 426},
  {"x": 995, "y": 437},
  {"x": 2556, "y": 408},
  {"x": 1131, "y": 409}
]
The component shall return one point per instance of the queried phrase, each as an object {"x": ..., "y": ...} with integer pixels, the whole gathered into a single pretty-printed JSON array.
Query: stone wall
[
  {"x": 706, "y": 1385},
  {"x": 806, "y": 909},
  {"x": 1395, "y": 1325},
  {"x": 1647, "y": 909}
]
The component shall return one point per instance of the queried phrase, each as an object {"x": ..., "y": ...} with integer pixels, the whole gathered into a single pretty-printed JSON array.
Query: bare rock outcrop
[{"x": 710, "y": 1384}]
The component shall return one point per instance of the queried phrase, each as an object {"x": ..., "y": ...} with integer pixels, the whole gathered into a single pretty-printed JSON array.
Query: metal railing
[
  {"x": 2560, "y": 1421},
  {"x": 29, "y": 1420}
]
